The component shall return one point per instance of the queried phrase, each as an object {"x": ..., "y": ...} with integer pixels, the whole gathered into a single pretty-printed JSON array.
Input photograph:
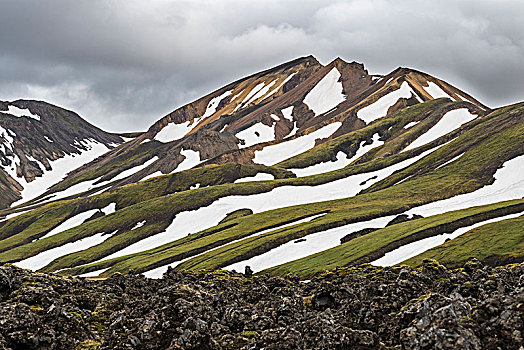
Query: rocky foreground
[{"x": 476, "y": 307}]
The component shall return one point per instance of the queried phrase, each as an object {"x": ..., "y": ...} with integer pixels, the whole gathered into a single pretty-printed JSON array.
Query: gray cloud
[{"x": 124, "y": 64}]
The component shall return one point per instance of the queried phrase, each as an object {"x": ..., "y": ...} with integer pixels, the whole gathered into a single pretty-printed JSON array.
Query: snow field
[
  {"x": 273, "y": 154},
  {"x": 314, "y": 243},
  {"x": 450, "y": 121},
  {"x": 159, "y": 271},
  {"x": 435, "y": 91},
  {"x": 415, "y": 248},
  {"x": 197, "y": 220},
  {"x": 60, "y": 168},
  {"x": 341, "y": 162},
  {"x": 379, "y": 108},
  {"x": 326, "y": 94},
  {"x": 249, "y": 135}
]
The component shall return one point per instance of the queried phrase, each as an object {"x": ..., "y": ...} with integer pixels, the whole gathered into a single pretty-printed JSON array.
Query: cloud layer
[{"x": 122, "y": 64}]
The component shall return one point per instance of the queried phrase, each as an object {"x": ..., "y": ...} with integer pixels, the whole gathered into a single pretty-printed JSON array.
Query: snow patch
[
  {"x": 411, "y": 124},
  {"x": 21, "y": 112},
  {"x": 450, "y": 161},
  {"x": 253, "y": 92},
  {"x": 192, "y": 158},
  {"x": 379, "y": 108},
  {"x": 508, "y": 185},
  {"x": 256, "y": 133},
  {"x": 276, "y": 153},
  {"x": 287, "y": 113},
  {"x": 213, "y": 104},
  {"x": 435, "y": 91},
  {"x": 150, "y": 176},
  {"x": 40, "y": 260},
  {"x": 326, "y": 94},
  {"x": 158, "y": 272},
  {"x": 341, "y": 162},
  {"x": 234, "y": 97},
  {"x": 109, "y": 209},
  {"x": 313, "y": 243},
  {"x": 134, "y": 170},
  {"x": 415, "y": 248},
  {"x": 138, "y": 225},
  {"x": 173, "y": 132},
  {"x": 257, "y": 177},
  {"x": 261, "y": 92},
  {"x": 279, "y": 86},
  {"x": 74, "y": 221},
  {"x": 450, "y": 121},
  {"x": 94, "y": 273}
]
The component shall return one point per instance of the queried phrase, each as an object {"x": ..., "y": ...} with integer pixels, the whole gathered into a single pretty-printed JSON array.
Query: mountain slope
[
  {"x": 299, "y": 104},
  {"x": 40, "y": 143},
  {"x": 273, "y": 170}
]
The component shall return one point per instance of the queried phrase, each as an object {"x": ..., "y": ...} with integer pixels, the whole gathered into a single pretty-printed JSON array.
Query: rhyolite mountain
[
  {"x": 33, "y": 136},
  {"x": 231, "y": 124},
  {"x": 296, "y": 169}
]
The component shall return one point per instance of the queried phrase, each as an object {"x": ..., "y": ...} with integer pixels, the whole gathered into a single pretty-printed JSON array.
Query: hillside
[
  {"x": 39, "y": 144},
  {"x": 298, "y": 169},
  {"x": 296, "y": 105}
]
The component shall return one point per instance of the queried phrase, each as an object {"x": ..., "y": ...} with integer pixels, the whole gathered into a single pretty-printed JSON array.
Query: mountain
[
  {"x": 232, "y": 124},
  {"x": 40, "y": 143},
  {"x": 297, "y": 169}
]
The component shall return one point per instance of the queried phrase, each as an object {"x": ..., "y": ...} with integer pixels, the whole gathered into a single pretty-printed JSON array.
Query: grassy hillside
[
  {"x": 374, "y": 245},
  {"x": 485, "y": 144},
  {"x": 497, "y": 243}
]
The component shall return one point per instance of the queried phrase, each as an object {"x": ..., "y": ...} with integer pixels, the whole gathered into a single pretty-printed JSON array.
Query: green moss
[
  {"x": 88, "y": 344},
  {"x": 307, "y": 301},
  {"x": 236, "y": 214},
  {"x": 496, "y": 243},
  {"x": 250, "y": 334}
]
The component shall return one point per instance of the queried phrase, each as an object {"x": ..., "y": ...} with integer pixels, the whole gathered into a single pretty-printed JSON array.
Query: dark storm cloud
[{"x": 124, "y": 64}]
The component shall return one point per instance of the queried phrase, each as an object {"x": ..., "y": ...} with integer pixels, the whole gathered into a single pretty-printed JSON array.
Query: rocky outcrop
[{"x": 364, "y": 307}]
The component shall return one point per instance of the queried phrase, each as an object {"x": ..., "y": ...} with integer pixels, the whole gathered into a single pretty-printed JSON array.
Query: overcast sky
[{"x": 122, "y": 64}]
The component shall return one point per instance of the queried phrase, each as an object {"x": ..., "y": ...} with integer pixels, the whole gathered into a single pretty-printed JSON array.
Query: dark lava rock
[
  {"x": 248, "y": 272},
  {"x": 365, "y": 307},
  {"x": 403, "y": 218},
  {"x": 358, "y": 233}
]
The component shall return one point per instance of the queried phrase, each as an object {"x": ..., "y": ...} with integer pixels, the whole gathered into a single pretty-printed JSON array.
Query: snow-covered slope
[
  {"x": 268, "y": 171},
  {"x": 41, "y": 143}
]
